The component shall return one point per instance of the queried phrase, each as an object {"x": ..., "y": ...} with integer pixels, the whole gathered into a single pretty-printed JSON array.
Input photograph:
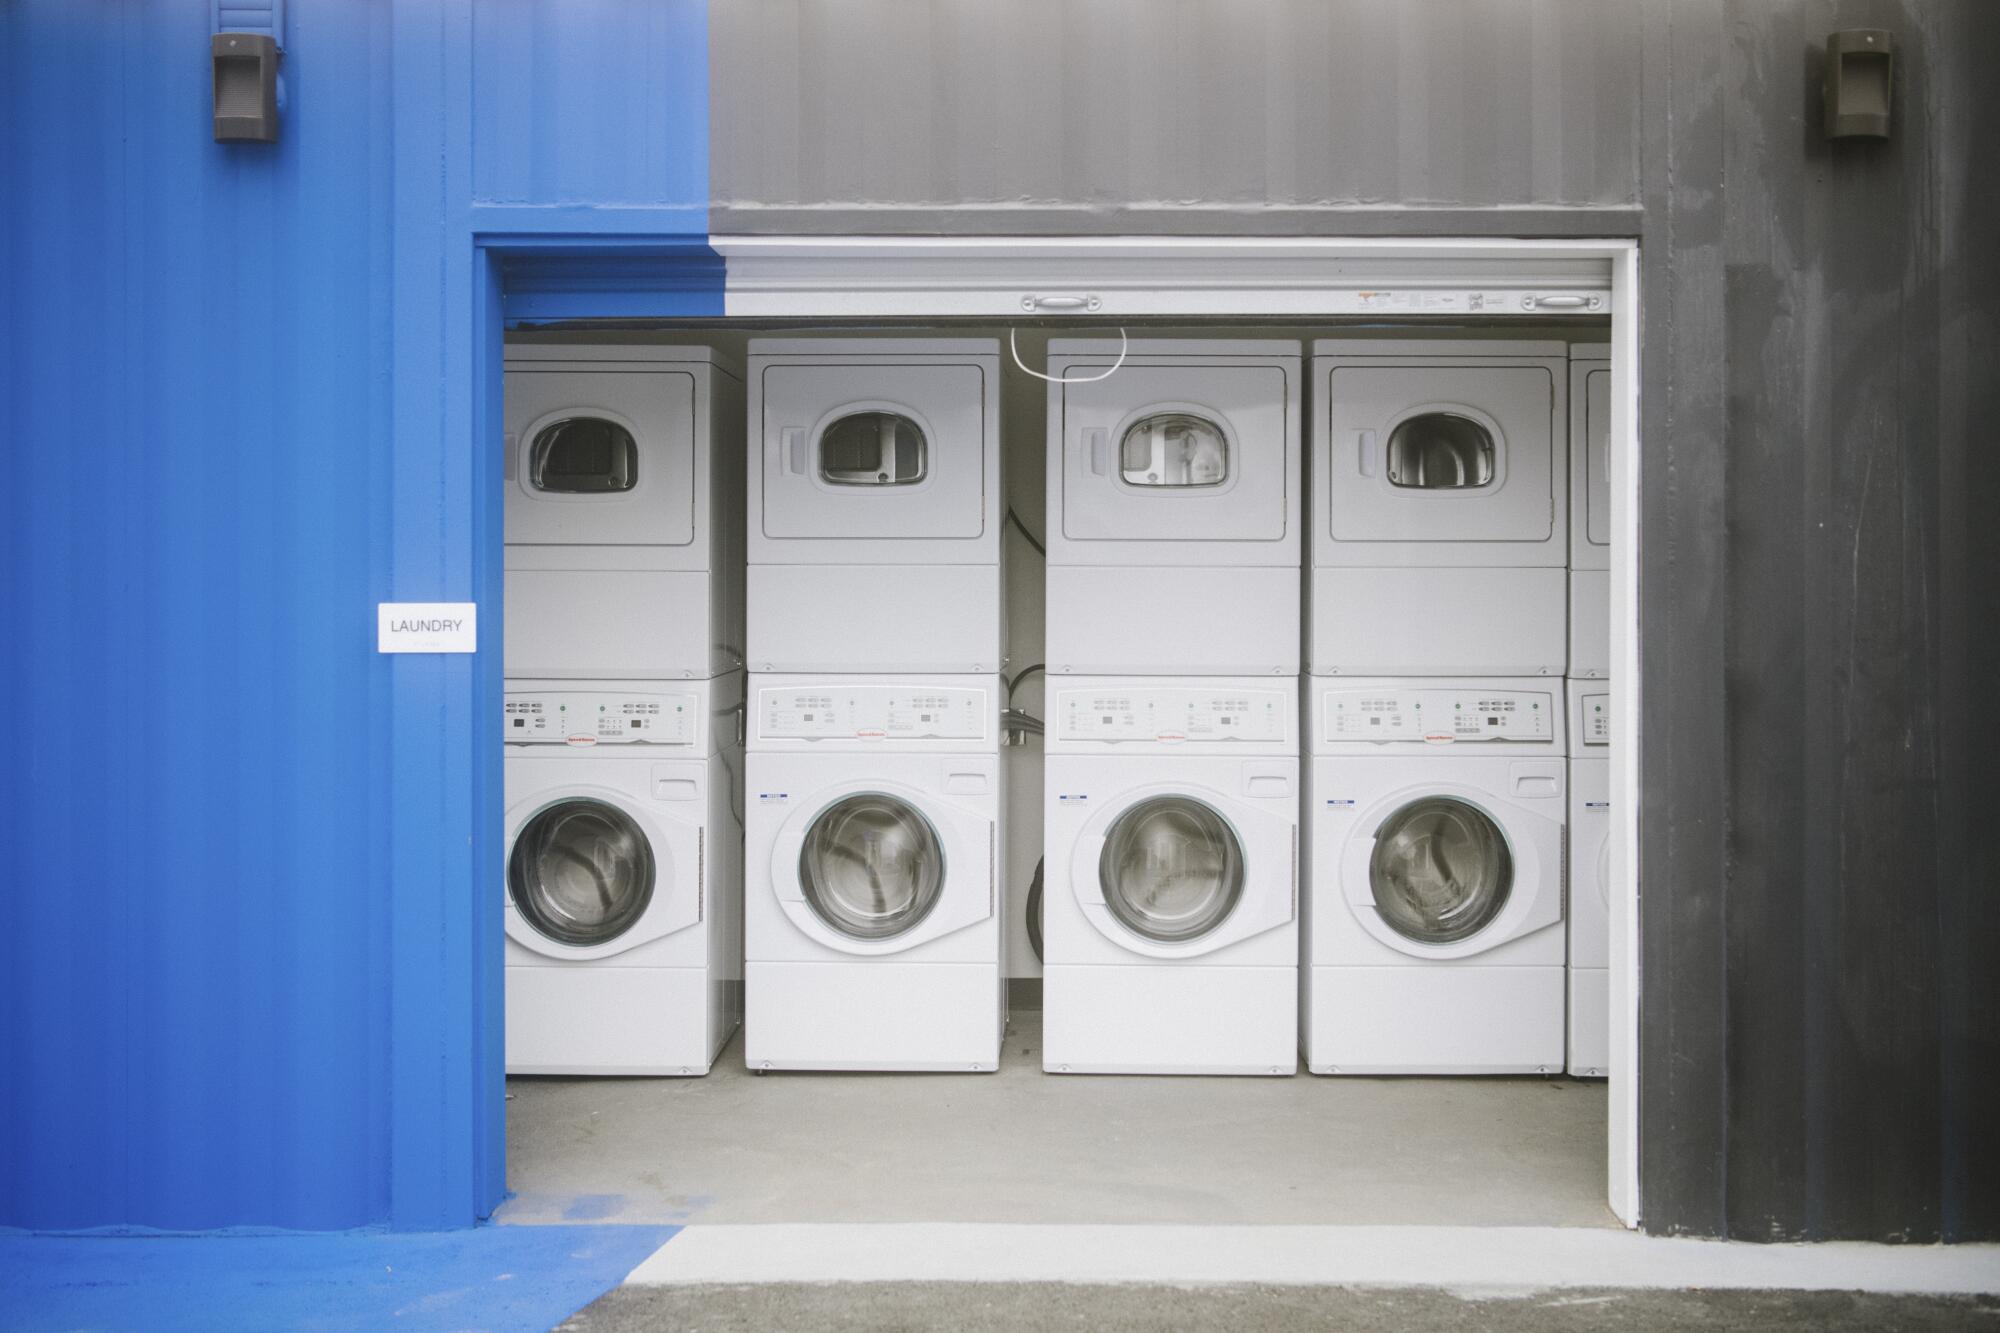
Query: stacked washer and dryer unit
[
  {"x": 1434, "y": 939},
  {"x": 621, "y": 727},
  {"x": 1172, "y": 770},
  {"x": 1590, "y": 686},
  {"x": 875, "y": 852}
]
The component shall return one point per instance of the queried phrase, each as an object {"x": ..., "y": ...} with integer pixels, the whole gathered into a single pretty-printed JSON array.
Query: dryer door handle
[
  {"x": 793, "y": 450},
  {"x": 1094, "y": 441},
  {"x": 1364, "y": 452},
  {"x": 509, "y": 462},
  {"x": 1295, "y": 872}
]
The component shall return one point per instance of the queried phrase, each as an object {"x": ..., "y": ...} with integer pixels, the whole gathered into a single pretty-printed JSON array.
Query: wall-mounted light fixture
[
  {"x": 244, "y": 54},
  {"x": 1860, "y": 70}
]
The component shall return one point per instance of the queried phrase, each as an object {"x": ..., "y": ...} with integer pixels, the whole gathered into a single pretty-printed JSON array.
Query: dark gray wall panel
[
  {"x": 1818, "y": 1044},
  {"x": 885, "y": 115}
]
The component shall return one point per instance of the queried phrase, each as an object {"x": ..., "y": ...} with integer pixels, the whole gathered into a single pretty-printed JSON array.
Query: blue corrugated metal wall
[{"x": 251, "y": 969}]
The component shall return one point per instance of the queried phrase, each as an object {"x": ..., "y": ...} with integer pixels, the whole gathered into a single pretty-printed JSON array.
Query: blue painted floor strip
[{"x": 524, "y": 1277}]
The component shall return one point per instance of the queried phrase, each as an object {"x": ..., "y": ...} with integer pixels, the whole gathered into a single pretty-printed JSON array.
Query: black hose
[
  {"x": 1035, "y": 913},
  {"x": 1015, "y": 519},
  {"x": 1020, "y": 676}
]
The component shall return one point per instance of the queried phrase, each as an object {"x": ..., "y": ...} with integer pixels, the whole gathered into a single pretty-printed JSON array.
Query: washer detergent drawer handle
[
  {"x": 793, "y": 450},
  {"x": 1364, "y": 452},
  {"x": 510, "y": 464},
  {"x": 1094, "y": 442}
]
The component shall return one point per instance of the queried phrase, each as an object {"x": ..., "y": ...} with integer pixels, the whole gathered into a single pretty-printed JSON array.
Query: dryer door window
[
  {"x": 1171, "y": 869},
  {"x": 1440, "y": 451},
  {"x": 873, "y": 449},
  {"x": 581, "y": 873},
  {"x": 1441, "y": 871},
  {"x": 583, "y": 456},
  {"x": 872, "y": 866},
  {"x": 1173, "y": 449}
]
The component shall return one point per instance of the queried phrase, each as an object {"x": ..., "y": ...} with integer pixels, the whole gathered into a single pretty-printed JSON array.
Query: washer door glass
[
  {"x": 581, "y": 873},
  {"x": 872, "y": 866},
  {"x": 1440, "y": 871},
  {"x": 1171, "y": 869}
]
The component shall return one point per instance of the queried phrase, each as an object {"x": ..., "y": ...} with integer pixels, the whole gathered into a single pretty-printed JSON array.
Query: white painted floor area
[
  {"x": 1465, "y": 1260},
  {"x": 1024, "y": 1147}
]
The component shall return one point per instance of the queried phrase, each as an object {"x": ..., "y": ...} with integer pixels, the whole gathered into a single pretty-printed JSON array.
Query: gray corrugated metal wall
[{"x": 1820, "y": 1013}]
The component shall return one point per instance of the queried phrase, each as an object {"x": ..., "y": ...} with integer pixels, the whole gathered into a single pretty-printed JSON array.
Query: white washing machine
[
  {"x": 1173, "y": 496},
  {"x": 1590, "y": 878},
  {"x": 1590, "y": 510},
  {"x": 1440, "y": 509},
  {"x": 873, "y": 932},
  {"x": 875, "y": 505},
  {"x": 1171, "y": 876},
  {"x": 623, "y": 883},
  {"x": 1434, "y": 918},
  {"x": 624, "y": 512}
]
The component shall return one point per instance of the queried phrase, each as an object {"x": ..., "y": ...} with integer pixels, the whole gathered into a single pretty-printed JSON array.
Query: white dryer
[
  {"x": 1170, "y": 928},
  {"x": 1440, "y": 509},
  {"x": 875, "y": 505},
  {"x": 1174, "y": 507},
  {"x": 875, "y": 862},
  {"x": 1590, "y": 878},
  {"x": 624, "y": 512},
  {"x": 1590, "y": 511},
  {"x": 623, "y": 875},
  {"x": 1434, "y": 917}
]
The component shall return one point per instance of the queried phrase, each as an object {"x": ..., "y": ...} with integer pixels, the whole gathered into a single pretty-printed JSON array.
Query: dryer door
[
  {"x": 1175, "y": 872},
  {"x": 1195, "y": 453},
  {"x": 879, "y": 869},
  {"x": 1596, "y": 447},
  {"x": 600, "y": 457},
  {"x": 589, "y": 876},
  {"x": 874, "y": 452},
  {"x": 1446, "y": 873},
  {"x": 1441, "y": 453}
]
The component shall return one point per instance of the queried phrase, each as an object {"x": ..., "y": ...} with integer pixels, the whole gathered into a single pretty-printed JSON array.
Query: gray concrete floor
[
  {"x": 1036, "y": 1306},
  {"x": 1022, "y": 1146}
]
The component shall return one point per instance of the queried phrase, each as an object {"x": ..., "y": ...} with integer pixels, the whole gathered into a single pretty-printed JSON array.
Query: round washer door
[
  {"x": 1441, "y": 871},
  {"x": 582, "y": 872},
  {"x": 872, "y": 867},
  {"x": 1171, "y": 869}
]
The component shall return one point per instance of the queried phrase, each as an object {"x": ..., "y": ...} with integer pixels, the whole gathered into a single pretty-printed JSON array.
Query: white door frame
[{"x": 1101, "y": 278}]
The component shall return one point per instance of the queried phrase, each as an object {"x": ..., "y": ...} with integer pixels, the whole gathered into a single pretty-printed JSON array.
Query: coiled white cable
[{"x": 1124, "y": 345}]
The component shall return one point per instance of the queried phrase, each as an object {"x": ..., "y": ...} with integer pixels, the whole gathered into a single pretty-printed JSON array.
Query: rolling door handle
[
  {"x": 793, "y": 448},
  {"x": 1364, "y": 452}
]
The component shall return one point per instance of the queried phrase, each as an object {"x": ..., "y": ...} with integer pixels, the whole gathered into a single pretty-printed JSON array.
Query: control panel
[
  {"x": 1438, "y": 716},
  {"x": 872, "y": 712},
  {"x": 1172, "y": 714},
  {"x": 1593, "y": 715},
  {"x": 564, "y": 718}
]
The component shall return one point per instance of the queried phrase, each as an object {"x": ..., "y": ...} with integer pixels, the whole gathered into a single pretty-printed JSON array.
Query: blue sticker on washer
[
  {"x": 1340, "y": 802},
  {"x": 773, "y": 797},
  {"x": 1072, "y": 796}
]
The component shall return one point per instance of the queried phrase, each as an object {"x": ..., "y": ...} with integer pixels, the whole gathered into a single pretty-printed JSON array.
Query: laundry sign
[{"x": 426, "y": 627}]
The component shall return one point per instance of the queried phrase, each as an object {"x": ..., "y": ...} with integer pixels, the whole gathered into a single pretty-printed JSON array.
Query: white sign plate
[{"x": 426, "y": 627}]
